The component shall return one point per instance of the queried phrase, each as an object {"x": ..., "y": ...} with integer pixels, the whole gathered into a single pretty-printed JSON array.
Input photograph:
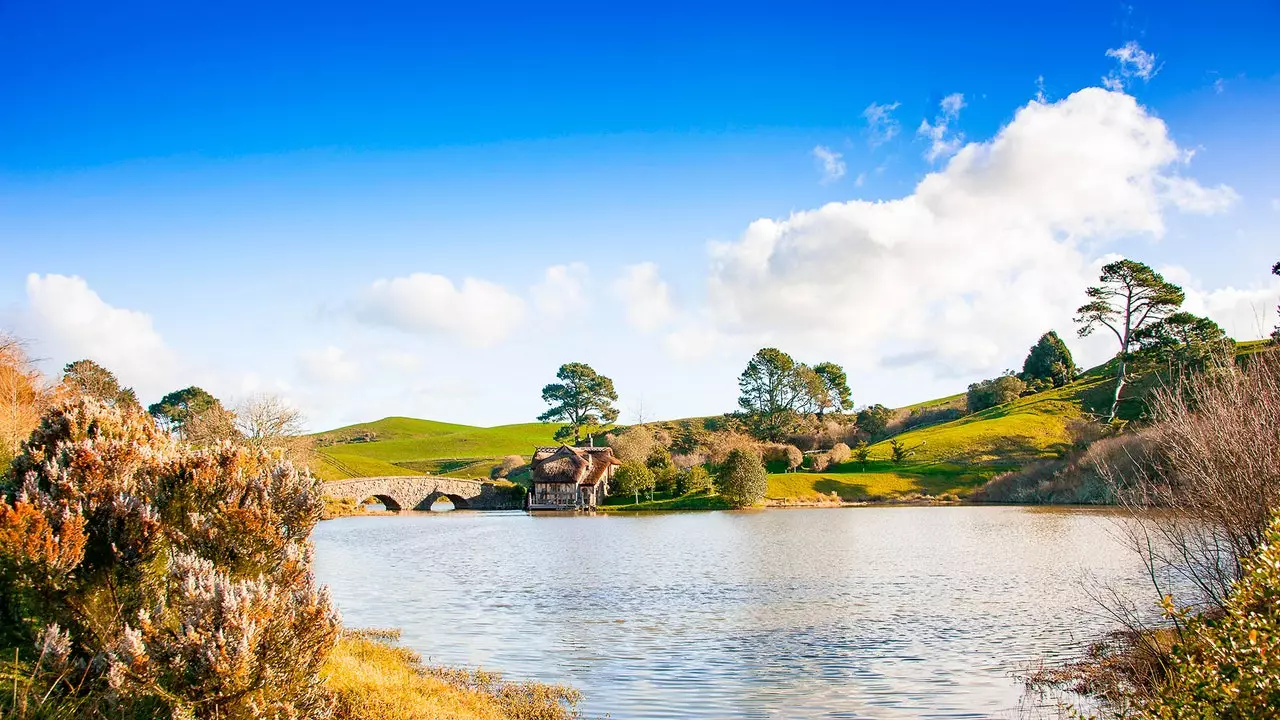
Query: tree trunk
[{"x": 1120, "y": 375}]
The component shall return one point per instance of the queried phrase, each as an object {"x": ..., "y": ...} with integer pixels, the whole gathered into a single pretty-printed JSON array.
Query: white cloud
[
  {"x": 1245, "y": 314},
  {"x": 1131, "y": 62},
  {"x": 943, "y": 143},
  {"x": 562, "y": 290},
  {"x": 1041, "y": 96},
  {"x": 329, "y": 366},
  {"x": 881, "y": 125},
  {"x": 830, "y": 162},
  {"x": 986, "y": 254},
  {"x": 476, "y": 312},
  {"x": 1190, "y": 196},
  {"x": 70, "y": 321},
  {"x": 646, "y": 297}
]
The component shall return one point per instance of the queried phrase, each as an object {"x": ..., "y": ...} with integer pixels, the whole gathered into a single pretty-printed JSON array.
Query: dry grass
[
  {"x": 24, "y": 396},
  {"x": 374, "y": 679}
]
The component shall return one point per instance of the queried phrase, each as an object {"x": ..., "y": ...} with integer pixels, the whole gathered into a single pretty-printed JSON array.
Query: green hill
[{"x": 407, "y": 446}]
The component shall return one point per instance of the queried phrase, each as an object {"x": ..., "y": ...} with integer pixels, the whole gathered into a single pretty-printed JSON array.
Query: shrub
[
  {"x": 873, "y": 420},
  {"x": 898, "y": 451},
  {"x": 1228, "y": 666},
  {"x": 112, "y": 536},
  {"x": 742, "y": 480},
  {"x": 687, "y": 461},
  {"x": 721, "y": 444},
  {"x": 24, "y": 396},
  {"x": 696, "y": 479},
  {"x": 997, "y": 391},
  {"x": 819, "y": 462},
  {"x": 1049, "y": 363},
  {"x": 840, "y": 454},
  {"x": 509, "y": 463},
  {"x": 793, "y": 456},
  {"x": 862, "y": 453}
]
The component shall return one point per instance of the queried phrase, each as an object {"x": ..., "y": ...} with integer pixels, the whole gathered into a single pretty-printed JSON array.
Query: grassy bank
[
  {"x": 664, "y": 501},
  {"x": 374, "y": 679}
]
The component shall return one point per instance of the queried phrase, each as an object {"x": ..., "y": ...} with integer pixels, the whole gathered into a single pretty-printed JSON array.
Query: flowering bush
[{"x": 171, "y": 581}]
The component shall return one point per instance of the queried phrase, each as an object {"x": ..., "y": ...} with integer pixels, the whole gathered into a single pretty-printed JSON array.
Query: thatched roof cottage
[{"x": 569, "y": 478}]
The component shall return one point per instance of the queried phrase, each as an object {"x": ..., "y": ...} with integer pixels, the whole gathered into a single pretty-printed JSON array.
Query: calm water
[{"x": 824, "y": 613}]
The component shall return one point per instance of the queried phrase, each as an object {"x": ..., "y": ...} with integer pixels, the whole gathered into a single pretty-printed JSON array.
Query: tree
[
  {"x": 175, "y": 409},
  {"x": 1181, "y": 342},
  {"x": 873, "y": 420},
  {"x": 793, "y": 456},
  {"x": 770, "y": 391},
  {"x": 831, "y": 389},
  {"x": 634, "y": 478},
  {"x": 91, "y": 379},
  {"x": 862, "y": 454},
  {"x": 993, "y": 392},
  {"x": 1130, "y": 297},
  {"x": 582, "y": 399},
  {"x": 840, "y": 453},
  {"x": 742, "y": 480},
  {"x": 1275, "y": 335},
  {"x": 899, "y": 452},
  {"x": 24, "y": 396},
  {"x": 688, "y": 439},
  {"x": 696, "y": 479},
  {"x": 1049, "y": 360},
  {"x": 267, "y": 422}
]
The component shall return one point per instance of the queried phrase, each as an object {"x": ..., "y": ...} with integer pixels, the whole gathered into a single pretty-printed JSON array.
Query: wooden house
[{"x": 569, "y": 478}]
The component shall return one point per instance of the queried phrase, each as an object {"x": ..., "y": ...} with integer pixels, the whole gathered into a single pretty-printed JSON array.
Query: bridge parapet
[{"x": 419, "y": 492}]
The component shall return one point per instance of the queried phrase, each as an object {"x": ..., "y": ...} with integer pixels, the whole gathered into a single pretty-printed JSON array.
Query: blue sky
[{"x": 213, "y": 194}]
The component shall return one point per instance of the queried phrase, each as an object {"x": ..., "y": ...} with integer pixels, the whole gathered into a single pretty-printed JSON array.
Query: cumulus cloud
[
  {"x": 830, "y": 162},
  {"x": 562, "y": 289},
  {"x": 476, "y": 312},
  {"x": 646, "y": 297},
  {"x": 1131, "y": 62},
  {"x": 71, "y": 321},
  {"x": 943, "y": 142},
  {"x": 330, "y": 366},
  {"x": 1244, "y": 313},
  {"x": 881, "y": 125},
  {"x": 980, "y": 259}
]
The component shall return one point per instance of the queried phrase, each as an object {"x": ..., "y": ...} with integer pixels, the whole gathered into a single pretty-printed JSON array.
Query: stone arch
[{"x": 387, "y": 501}]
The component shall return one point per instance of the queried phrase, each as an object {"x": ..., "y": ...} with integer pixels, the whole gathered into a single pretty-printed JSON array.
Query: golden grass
[{"x": 374, "y": 679}]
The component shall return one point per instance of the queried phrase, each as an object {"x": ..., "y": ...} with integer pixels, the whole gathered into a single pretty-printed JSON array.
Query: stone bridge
[{"x": 419, "y": 492}]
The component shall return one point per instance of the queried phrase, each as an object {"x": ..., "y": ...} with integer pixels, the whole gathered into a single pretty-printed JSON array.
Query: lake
[{"x": 875, "y": 612}]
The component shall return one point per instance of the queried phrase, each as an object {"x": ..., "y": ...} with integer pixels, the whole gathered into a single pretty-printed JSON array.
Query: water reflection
[{"x": 869, "y": 612}]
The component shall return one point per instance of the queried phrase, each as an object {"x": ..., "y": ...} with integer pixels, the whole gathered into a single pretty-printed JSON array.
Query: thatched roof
[{"x": 564, "y": 464}]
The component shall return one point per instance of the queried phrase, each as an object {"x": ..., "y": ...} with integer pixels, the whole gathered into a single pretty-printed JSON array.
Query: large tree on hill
[
  {"x": 1049, "y": 360},
  {"x": 90, "y": 379},
  {"x": 180, "y": 406},
  {"x": 1130, "y": 296},
  {"x": 831, "y": 389},
  {"x": 582, "y": 399},
  {"x": 771, "y": 390}
]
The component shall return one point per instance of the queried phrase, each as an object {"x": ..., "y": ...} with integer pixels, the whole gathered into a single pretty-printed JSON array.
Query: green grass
[
  {"x": 664, "y": 501},
  {"x": 406, "y": 446}
]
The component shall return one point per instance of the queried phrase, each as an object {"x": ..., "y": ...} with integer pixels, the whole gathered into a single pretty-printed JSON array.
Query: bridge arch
[
  {"x": 386, "y": 501},
  {"x": 418, "y": 492}
]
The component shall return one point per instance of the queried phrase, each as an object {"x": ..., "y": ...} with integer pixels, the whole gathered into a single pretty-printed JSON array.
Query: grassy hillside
[
  {"x": 406, "y": 446},
  {"x": 957, "y": 457}
]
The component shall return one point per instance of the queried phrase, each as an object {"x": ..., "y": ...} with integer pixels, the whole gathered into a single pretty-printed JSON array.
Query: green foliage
[
  {"x": 696, "y": 480},
  {"x": 873, "y": 420},
  {"x": 898, "y": 451},
  {"x": 1229, "y": 666},
  {"x": 1049, "y": 361},
  {"x": 831, "y": 392},
  {"x": 770, "y": 391},
  {"x": 91, "y": 379},
  {"x": 742, "y": 480},
  {"x": 634, "y": 478},
  {"x": 180, "y": 406},
  {"x": 1129, "y": 297},
  {"x": 688, "y": 438},
  {"x": 1181, "y": 342},
  {"x": 993, "y": 392},
  {"x": 861, "y": 453},
  {"x": 583, "y": 399},
  {"x": 172, "y": 582}
]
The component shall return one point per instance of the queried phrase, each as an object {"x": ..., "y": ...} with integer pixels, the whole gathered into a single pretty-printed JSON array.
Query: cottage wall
[{"x": 565, "y": 494}]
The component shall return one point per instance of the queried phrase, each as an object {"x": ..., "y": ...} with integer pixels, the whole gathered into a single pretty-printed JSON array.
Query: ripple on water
[{"x": 854, "y": 613}]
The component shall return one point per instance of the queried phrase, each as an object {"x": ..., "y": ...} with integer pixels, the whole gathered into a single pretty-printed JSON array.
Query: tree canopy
[
  {"x": 90, "y": 379},
  {"x": 874, "y": 419},
  {"x": 1049, "y": 361},
  {"x": 775, "y": 392},
  {"x": 1181, "y": 342},
  {"x": 1129, "y": 297},
  {"x": 993, "y": 392},
  {"x": 180, "y": 406},
  {"x": 832, "y": 390},
  {"x": 583, "y": 399},
  {"x": 742, "y": 480}
]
